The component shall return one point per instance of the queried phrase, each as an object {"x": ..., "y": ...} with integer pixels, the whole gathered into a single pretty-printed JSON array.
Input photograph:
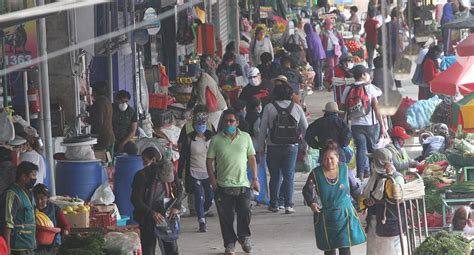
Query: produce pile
[
  {"x": 357, "y": 50},
  {"x": 43, "y": 220},
  {"x": 444, "y": 243},
  {"x": 92, "y": 244},
  {"x": 75, "y": 209}
]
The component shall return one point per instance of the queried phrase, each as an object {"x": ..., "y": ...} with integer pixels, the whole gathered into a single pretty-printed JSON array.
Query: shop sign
[
  {"x": 265, "y": 12},
  {"x": 21, "y": 42},
  {"x": 152, "y": 23}
]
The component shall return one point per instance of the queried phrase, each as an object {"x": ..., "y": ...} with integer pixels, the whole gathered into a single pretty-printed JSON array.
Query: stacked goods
[
  {"x": 356, "y": 49},
  {"x": 77, "y": 215},
  {"x": 183, "y": 89}
]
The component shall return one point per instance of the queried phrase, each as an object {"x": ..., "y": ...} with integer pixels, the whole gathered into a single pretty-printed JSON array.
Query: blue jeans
[
  {"x": 281, "y": 161},
  {"x": 365, "y": 137},
  {"x": 203, "y": 197}
]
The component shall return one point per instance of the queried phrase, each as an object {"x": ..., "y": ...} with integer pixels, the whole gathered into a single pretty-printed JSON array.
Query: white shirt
[
  {"x": 370, "y": 119},
  {"x": 35, "y": 158},
  {"x": 198, "y": 158}
]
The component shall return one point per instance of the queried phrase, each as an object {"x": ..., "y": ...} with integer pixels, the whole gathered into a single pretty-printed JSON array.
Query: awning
[
  {"x": 457, "y": 78},
  {"x": 18, "y": 17},
  {"x": 461, "y": 114},
  {"x": 466, "y": 47}
]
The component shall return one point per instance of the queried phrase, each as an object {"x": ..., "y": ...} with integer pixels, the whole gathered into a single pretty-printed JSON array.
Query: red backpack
[{"x": 357, "y": 102}]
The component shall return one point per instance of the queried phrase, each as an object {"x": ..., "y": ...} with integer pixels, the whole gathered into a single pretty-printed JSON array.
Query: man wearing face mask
[
  {"x": 124, "y": 120},
  {"x": 240, "y": 107},
  {"x": 342, "y": 70},
  {"x": 17, "y": 214},
  {"x": 229, "y": 153},
  {"x": 207, "y": 93},
  {"x": 193, "y": 143},
  {"x": 255, "y": 88}
]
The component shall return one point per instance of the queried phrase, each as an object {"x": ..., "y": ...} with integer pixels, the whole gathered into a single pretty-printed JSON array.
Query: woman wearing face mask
[
  {"x": 194, "y": 143},
  {"x": 430, "y": 71},
  {"x": 401, "y": 160},
  {"x": 342, "y": 70},
  {"x": 259, "y": 45},
  {"x": 328, "y": 192}
]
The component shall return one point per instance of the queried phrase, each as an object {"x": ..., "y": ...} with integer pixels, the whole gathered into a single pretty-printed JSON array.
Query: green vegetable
[
  {"x": 463, "y": 187},
  {"x": 444, "y": 243},
  {"x": 433, "y": 202},
  {"x": 435, "y": 157},
  {"x": 92, "y": 244}
]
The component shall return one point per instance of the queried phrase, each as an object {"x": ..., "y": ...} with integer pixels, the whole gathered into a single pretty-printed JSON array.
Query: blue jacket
[{"x": 330, "y": 126}]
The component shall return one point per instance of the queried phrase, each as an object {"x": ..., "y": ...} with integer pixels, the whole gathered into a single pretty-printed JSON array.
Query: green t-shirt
[{"x": 231, "y": 158}]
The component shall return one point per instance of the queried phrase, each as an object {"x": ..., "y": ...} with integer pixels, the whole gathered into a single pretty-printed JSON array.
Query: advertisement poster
[{"x": 21, "y": 39}]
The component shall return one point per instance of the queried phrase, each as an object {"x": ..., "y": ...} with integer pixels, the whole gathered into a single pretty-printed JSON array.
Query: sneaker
[
  {"x": 289, "y": 210},
  {"x": 281, "y": 207},
  {"x": 246, "y": 245},
  {"x": 230, "y": 249},
  {"x": 202, "y": 227},
  {"x": 272, "y": 209}
]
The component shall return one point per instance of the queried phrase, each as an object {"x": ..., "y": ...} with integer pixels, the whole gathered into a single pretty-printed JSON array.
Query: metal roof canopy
[{"x": 18, "y": 17}]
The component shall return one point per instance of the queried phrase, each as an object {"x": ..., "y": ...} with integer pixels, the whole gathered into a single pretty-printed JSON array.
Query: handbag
[
  {"x": 211, "y": 100},
  {"x": 169, "y": 231}
]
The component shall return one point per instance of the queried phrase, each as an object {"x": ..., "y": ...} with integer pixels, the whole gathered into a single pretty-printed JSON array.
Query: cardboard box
[{"x": 78, "y": 220}]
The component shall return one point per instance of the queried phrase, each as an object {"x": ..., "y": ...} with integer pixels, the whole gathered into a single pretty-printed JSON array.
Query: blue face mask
[
  {"x": 230, "y": 130},
  {"x": 200, "y": 128},
  {"x": 242, "y": 114}
]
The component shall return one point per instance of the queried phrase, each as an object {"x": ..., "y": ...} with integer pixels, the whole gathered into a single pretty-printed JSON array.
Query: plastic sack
[
  {"x": 83, "y": 152},
  {"x": 117, "y": 243},
  {"x": 168, "y": 231},
  {"x": 382, "y": 143},
  {"x": 6, "y": 125},
  {"x": 419, "y": 114},
  {"x": 103, "y": 195}
]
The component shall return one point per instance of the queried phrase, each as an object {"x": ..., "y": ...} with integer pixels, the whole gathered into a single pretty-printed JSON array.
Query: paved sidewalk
[{"x": 275, "y": 233}]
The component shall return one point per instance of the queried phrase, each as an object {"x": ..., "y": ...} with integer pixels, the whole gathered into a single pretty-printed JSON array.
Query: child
[{"x": 55, "y": 214}]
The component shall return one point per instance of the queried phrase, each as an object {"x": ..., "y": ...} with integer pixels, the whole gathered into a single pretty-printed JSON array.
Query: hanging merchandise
[
  {"x": 185, "y": 33},
  {"x": 183, "y": 88},
  {"x": 205, "y": 39},
  {"x": 164, "y": 79},
  {"x": 34, "y": 100},
  {"x": 153, "y": 24},
  {"x": 200, "y": 14}
]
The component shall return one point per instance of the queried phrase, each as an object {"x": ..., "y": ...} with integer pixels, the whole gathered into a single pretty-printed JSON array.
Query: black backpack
[{"x": 285, "y": 126}]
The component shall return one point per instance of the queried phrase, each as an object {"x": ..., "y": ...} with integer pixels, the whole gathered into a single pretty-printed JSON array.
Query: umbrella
[
  {"x": 461, "y": 114},
  {"x": 457, "y": 78},
  {"x": 466, "y": 21},
  {"x": 466, "y": 46}
]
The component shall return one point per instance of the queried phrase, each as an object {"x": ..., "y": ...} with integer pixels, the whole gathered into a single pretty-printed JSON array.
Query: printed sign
[{"x": 265, "y": 11}]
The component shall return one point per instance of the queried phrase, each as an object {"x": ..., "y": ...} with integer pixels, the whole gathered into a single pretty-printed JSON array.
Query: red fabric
[
  {"x": 370, "y": 27},
  {"x": 339, "y": 73},
  {"x": 3, "y": 246},
  {"x": 62, "y": 222},
  {"x": 429, "y": 71},
  {"x": 211, "y": 100},
  {"x": 165, "y": 80},
  {"x": 400, "y": 117}
]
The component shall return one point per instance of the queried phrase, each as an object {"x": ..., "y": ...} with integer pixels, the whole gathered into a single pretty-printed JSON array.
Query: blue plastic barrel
[
  {"x": 79, "y": 178},
  {"x": 125, "y": 169}
]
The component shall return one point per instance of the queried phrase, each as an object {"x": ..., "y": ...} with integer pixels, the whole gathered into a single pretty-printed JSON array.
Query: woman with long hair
[
  {"x": 430, "y": 71},
  {"x": 260, "y": 44},
  {"x": 316, "y": 53}
]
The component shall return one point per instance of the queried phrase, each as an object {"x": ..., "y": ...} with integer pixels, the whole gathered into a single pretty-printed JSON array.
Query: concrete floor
[{"x": 275, "y": 233}]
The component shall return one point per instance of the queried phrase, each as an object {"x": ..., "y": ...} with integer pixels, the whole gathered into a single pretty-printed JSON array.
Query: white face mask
[
  {"x": 259, "y": 108},
  {"x": 255, "y": 81},
  {"x": 123, "y": 106},
  {"x": 350, "y": 65}
]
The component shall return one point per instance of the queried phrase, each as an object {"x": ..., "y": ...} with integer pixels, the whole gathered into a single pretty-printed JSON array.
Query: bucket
[
  {"x": 125, "y": 169},
  {"x": 46, "y": 235},
  {"x": 79, "y": 178}
]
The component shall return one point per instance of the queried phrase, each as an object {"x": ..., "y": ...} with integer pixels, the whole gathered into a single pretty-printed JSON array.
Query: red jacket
[
  {"x": 430, "y": 70},
  {"x": 370, "y": 27}
]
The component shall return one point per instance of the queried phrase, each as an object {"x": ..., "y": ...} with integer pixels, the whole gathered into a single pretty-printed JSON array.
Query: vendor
[
  {"x": 383, "y": 231},
  {"x": 17, "y": 219},
  {"x": 463, "y": 221},
  {"x": 54, "y": 213},
  {"x": 100, "y": 120},
  {"x": 401, "y": 160},
  {"x": 27, "y": 153},
  {"x": 124, "y": 120}
]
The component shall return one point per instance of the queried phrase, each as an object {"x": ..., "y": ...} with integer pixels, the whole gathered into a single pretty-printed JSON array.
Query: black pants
[
  {"x": 148, "y": 240},
  {"x": 227, "y": 205},
  {"x": 342, "y": 251}
]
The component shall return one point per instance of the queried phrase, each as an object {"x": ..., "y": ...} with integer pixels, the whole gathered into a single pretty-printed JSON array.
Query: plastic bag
[
  {"x": 83, "y": 152},
  {"x": 384, "y": 141},
  {"x": 103, "y": 195},
  {"x": 6, "y": 125}
]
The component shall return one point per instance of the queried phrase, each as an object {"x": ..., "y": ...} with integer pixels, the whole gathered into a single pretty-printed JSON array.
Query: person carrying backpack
[
  {"x": 283, "y": 124},
  {"x": 361, "y": 107}
]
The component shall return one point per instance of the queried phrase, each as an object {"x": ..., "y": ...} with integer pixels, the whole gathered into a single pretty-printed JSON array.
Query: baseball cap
[
  {"x": 381, "y": 157},
  {"x": 253, "y": 72},
  {"x": 399, "y": 132}
]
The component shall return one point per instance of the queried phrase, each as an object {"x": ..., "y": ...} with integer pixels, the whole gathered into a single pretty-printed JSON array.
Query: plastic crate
[
  {"x": 160, "y": 101},
  {"x": 102, "y": 219}
]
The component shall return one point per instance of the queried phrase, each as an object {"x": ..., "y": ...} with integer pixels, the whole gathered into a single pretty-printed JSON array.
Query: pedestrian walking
[
  {"x": 230, "y": 151},
  {"x": 156, "y": 196},
  {"x": 361, "y": 105},
  {"x": 330, "y": 127},
  {"x": 370, "y": 27},
  {"x": 283, "y": 125},
  {"x": 316, "y": 54},
  {"x": 327, "y": 192},
  {"x": 193, "y": 143},
  {"x": 260, "y": 44}
]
